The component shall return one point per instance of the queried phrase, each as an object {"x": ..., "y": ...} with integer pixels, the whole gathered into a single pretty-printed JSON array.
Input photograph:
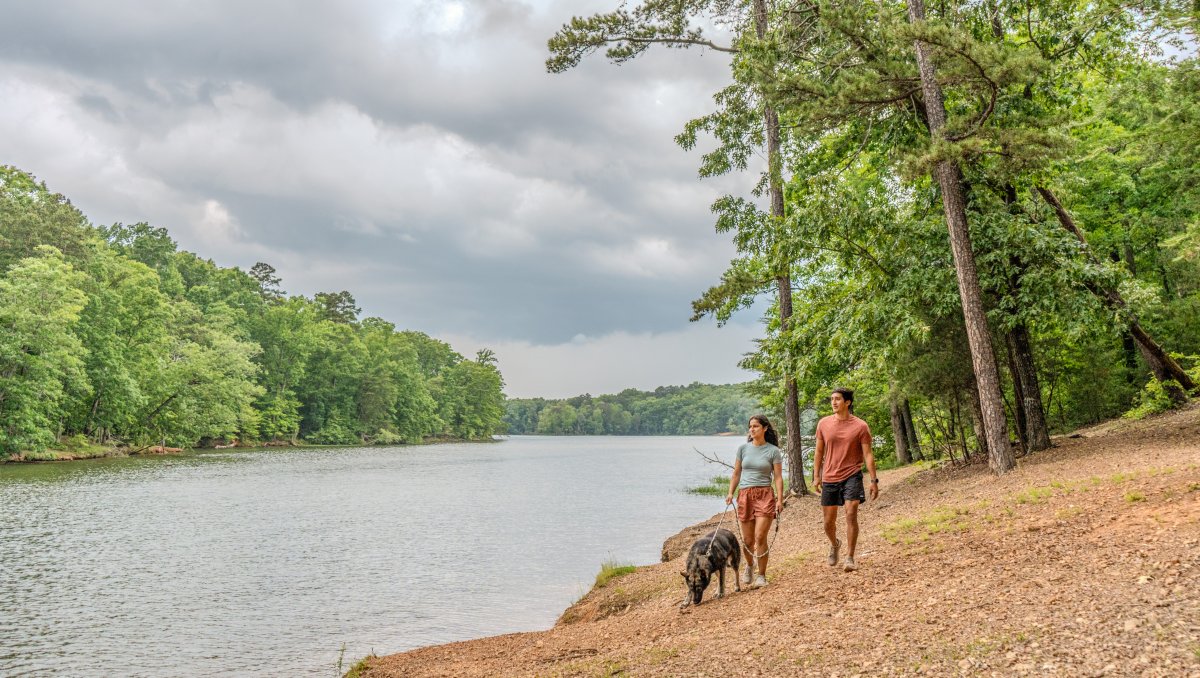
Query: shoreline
[
  {"x": 102, "y": 452},
  {"x": 956, "y": 568}
]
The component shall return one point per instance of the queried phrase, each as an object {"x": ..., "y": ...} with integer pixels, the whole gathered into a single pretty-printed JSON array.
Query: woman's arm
[
  {"x": 778, "y": 487},
  {"x": 734, "y": 479}
]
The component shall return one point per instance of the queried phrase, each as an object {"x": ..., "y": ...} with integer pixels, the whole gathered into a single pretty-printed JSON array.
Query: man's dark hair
[{"x": 847, "y": 394}]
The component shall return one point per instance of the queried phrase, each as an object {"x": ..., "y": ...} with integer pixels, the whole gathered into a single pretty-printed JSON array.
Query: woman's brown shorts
[{"x": 755, "y": 501}]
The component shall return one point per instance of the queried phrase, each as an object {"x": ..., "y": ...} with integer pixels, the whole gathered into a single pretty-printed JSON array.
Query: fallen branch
[{"x": 713, "y": 459}]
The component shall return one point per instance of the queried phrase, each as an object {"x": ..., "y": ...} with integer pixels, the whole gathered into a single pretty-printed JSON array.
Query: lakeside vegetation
[
  {"x": 112, "y": 336},
  {"x": 696, "y": 409},
  {"x": 983, "y": 217}
]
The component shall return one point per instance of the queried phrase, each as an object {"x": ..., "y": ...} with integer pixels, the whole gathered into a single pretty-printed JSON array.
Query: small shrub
[
  {"x": 386, "y": 437},
  {"x": 1134, "y": 496},
  {"x": 1154, "y": 399}
]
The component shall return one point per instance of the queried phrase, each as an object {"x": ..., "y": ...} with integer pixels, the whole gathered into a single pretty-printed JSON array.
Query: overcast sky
[{"x": 417, "y": 154}]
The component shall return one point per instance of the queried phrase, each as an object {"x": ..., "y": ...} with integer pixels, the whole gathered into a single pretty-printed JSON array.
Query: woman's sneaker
[
  {"x": 833, "y": 553},
  {"x": 747, "y": 576},
  {"x": 760, "y": 581}
]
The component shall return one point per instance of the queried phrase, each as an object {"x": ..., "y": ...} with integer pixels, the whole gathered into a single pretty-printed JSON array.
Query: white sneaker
[
  {"x": 760, "y": 581},
  {"x": 746, "y": 577},
  {"x": 849, "y": 565}
]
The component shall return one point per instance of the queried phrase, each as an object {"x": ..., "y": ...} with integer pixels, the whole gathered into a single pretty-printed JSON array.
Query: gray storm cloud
[{"x": 418, "y": 155}]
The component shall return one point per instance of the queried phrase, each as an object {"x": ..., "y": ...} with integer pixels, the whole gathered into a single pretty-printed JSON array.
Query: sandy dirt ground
[{"x": 1084, "y": 561}]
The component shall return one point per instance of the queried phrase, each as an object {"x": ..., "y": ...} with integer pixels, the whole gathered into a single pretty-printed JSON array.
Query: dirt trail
[{"x": 1084, "y": 561}]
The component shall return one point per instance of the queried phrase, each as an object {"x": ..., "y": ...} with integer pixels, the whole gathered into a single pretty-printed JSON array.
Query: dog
[{"x": 711, "y": 554}]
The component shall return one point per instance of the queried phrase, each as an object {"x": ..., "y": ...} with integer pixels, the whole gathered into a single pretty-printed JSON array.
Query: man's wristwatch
[{"x": 875, "y": 481}]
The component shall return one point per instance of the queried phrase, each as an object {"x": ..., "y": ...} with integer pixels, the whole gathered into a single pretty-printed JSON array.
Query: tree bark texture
[
  {"x": 914, "y": 444},
  {"x": 791, "y": 406},
  {"x": 949, "y": 178},
  {"x": 1037, "y": 434},
  {"x": 899, "y": 434},
  {"x": 978, "y": 424},
  {"x": 1161, "y": 363}
]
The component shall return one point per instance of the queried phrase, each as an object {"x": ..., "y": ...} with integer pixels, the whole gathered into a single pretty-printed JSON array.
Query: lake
[{"x": 269, "y": 562}]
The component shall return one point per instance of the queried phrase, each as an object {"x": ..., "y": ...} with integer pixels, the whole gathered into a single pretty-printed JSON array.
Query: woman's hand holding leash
[{"x": 728, "y": 499}]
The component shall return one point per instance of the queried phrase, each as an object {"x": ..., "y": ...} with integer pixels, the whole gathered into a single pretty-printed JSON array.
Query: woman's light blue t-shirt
[{"x": 758, "y": 462}]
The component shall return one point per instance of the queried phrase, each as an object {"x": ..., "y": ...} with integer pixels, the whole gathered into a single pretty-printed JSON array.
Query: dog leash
[
  {"x": 717, "y": 531},
  {"x": 770, "y": 544}
]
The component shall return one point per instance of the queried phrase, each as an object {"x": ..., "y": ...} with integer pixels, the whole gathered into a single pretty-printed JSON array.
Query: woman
[{"x": 759, "y": 464}]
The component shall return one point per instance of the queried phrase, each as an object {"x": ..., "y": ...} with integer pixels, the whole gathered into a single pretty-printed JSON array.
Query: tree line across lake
[
  {"x": 983, "y": 216},
  {"x": 112, "y": 335},
  {"x": 697, "y": 409}
]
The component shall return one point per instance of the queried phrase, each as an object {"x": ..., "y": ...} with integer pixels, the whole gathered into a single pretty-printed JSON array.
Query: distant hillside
[{"x": 696, "y": 409}]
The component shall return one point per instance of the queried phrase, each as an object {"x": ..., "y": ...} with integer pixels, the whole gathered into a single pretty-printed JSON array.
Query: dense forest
[
  {"x": 113, "y": 336},
  {"x": 697, "y": 409},
  {"x": 983, "y": 216}
]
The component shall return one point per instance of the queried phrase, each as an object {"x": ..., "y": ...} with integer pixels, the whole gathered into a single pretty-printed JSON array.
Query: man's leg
[
  {"x": 831, "y": 532},
  {"x": 851, "y": 533},
  {"x": 851, "y": 527}
]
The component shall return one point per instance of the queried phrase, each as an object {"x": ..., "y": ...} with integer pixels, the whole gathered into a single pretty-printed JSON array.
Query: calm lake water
[{"x": 267, "y": 562}]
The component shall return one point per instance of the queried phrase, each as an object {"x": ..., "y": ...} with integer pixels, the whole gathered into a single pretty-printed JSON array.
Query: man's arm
[
  {"x": 870, "y": 459},
  {"x": 818, "y": 457}
]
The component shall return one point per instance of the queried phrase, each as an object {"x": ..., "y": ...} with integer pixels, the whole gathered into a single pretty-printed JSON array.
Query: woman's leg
[
  {"x": 762, "y": 526},
  {"x": 748, "y": 543}
]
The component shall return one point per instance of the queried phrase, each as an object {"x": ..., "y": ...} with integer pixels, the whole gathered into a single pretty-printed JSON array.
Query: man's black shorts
[{"x": 837, "y": 494}]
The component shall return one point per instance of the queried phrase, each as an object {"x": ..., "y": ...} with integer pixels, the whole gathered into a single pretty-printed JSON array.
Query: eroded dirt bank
[{"x": 1084, "y": 561}]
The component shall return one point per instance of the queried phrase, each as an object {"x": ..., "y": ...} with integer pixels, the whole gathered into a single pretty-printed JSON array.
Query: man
[{"x": 843, "y": 443}]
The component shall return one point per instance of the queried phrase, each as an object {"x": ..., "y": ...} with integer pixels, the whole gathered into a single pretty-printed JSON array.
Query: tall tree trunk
[
  {"x": 899, "y": 434},
  {"x": 949, "y": 178},
  {"x": 791, "y": 406},
  {"x": 914, "y": 444},
  {"x": 1129, "y": 351},
  {"x": 977, "y": 422},
  {"x": 1018, "y": 392},
  {"x": 1037, "y": 434},
  {"x": 1161, "y": 363}
]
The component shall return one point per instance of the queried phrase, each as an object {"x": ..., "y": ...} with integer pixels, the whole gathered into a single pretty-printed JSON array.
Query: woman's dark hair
[
  {"x": 847, "y": 395},
  {"x": 769, "y": 435}
]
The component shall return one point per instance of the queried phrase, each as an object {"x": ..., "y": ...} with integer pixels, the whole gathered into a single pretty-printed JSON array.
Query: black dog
[{"x": 711, "y": 553}]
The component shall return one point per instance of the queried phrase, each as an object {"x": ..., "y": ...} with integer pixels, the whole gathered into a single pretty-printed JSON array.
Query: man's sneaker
[
  {"x": 760, "y": 581},
  {"x": 746, "y": 576},
  {"x": 833, "y": 553},
  {"x": 849, "y": 566}
]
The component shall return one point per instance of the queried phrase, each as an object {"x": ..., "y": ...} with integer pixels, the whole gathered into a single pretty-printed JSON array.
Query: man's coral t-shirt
[{"x": 843, "y": 446}]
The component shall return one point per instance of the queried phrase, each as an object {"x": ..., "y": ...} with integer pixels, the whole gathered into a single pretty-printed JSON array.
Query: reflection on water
[{"x": 267, "y": 562}]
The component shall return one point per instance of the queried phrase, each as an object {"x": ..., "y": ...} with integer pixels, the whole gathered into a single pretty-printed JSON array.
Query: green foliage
[
  {"x": 1154, "y": 399},
  {"x": 40, "y": 362},
  {"x": 1051, "y": 94},
  {"x": 116, "y": 336},
  {"x": 697, "y": 409}
]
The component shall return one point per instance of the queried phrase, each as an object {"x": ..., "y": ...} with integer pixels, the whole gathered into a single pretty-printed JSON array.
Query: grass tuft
[
  {"x": 717, "y": 486},
  {"x": 944, "y": 519},
  {"x": 1034, "y": 495},
  {"x": 611, "y": 570},
  {"x": 1134, "y": 496}
]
